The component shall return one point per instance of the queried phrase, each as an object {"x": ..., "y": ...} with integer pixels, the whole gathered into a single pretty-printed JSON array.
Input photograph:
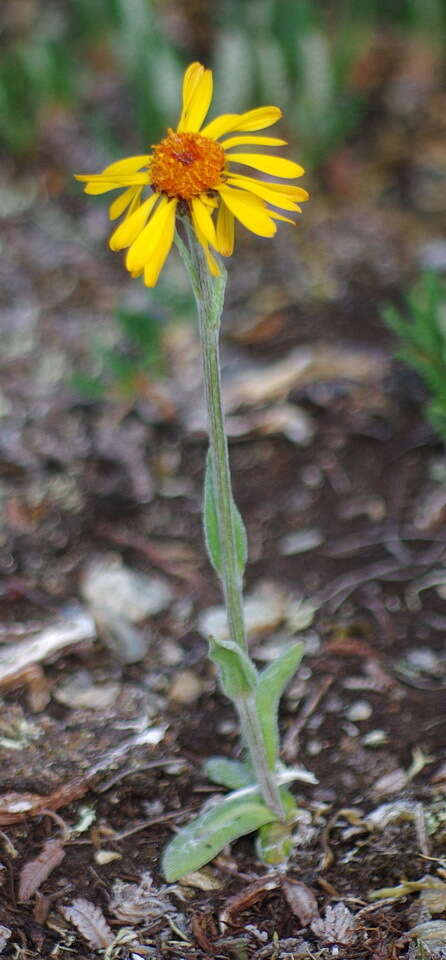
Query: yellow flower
[{"x": 191, "y": 172}]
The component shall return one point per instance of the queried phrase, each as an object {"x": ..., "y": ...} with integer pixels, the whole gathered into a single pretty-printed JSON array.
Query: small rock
[
  {"x": 300, "y": 542},
  {"x": 203, "y": 879},
  {"x": 186, "y": 688},
  {"x": 390, "y": 783},
  {"x": 109, "y": 585},
  {"x": 118, "y": 599},
  {"x": 171, "y": 653},
  {"x": 80, "y": 692},
  {"x": 102, "y": 857},
  {"x": 361, "y": 710},
  {"x": 375, "y": 738},
  {"x": 264, "y": 609}
]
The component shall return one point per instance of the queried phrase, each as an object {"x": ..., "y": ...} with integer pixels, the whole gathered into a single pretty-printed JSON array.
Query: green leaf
[
  {"x": 210, "y": 522},
  {"x": 238, "y": 674},
  {"x": 270, "y": 686},
  {"x": 201, "y": 841},
  {"x": 229, "y": 773}
]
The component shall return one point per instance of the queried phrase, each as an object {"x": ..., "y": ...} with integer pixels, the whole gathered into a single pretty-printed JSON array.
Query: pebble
[
  {"x": 360, "y": 710},
  {"x": 300, "y": 541},
  {"x": 375, "y": 738},
  {"x": 103, "y": 857},
  {"x": 186, "y": 688},
  {"x": 390, "y": 783},
  {"x": 79, "y": 692},
  {"x": 264, "y": 610},
  {"x": 110, "y": 586}
]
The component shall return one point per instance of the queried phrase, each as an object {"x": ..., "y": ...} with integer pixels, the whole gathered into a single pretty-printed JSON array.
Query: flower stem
[{"x": 209, "y": 294}]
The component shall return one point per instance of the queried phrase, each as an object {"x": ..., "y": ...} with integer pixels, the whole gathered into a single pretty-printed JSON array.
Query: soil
[{"x": 122, "y": 476}]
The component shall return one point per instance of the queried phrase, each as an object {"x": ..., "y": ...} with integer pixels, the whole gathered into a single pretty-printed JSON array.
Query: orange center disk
[{"x": 186, "y": 164}]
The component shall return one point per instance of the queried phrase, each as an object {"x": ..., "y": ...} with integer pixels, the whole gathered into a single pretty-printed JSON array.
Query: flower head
[{"x": 191, "y": 171}]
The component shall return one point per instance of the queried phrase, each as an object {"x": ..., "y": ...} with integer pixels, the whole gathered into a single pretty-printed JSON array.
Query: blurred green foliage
[
  {"x": 421, "y": 331},
  {"x": 299, "y": 53},
  {"x": 125, "y": 370}
]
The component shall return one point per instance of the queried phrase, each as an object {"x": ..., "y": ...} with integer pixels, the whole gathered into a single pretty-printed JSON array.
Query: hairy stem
[{"x": 209, "y": 293}]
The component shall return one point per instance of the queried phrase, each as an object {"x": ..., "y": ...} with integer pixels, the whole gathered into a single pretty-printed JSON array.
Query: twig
[{"x": 290, "y": 742}]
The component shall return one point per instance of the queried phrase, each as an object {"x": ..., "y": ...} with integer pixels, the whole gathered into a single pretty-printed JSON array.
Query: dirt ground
[{"x": 342, "y": 486}]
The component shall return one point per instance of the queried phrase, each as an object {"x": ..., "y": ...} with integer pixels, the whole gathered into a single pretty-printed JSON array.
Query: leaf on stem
[
  {"x": 238, "y": 674},
  {"x": 270, "y": 686},
  {"x": 201, "y": 841},
  {"x": 210, "y": 521}
]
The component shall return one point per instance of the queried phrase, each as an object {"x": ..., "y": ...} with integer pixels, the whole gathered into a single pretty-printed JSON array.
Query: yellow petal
[
  {"x": 256, "y": 119},
  {"x": 122, "y": 202},
  {"x": 199, "y": 102},
  {"x": 225, "y": 231},
  {"x": 263, "y": 190},
  {"x": 213, "y": 267},
  {"x": 296, "y": 193},
  {"x": 202, "y": 220},
  {"x": 279, "y": 216},
  {"x": 131, "y": 226},
  {"x": 128, "y": 165},
  {"x": 143, "y": 247},
  {"x": 191, "y": 78},
  {"x": 250, "y": 210},
  {"x": 156, "y": 263},
  {"x": 253, "y": 138},
  {"x": 277, "y": 166},
  {"x": 97, "y": 183},
  {"x": 222, "y": 124}
]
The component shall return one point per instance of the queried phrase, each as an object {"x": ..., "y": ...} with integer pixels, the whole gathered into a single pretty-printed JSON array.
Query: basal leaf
[
  {"x": 229, "y": 773},
  {"x": 201, "y": 841}
]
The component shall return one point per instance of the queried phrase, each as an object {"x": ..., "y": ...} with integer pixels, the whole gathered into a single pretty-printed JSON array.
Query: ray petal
[
  {"x": 250, "y": 210},
  {"x": 154, "y": 266},
  {"x": 132, "y": 225},
  {"x": 191, "y": 78},
  {"x": 254, "y": 139},
  {"x": 261, "y": 189},
  {"x": 225, "y": 230},
  {"x": 122, "y": 202},
  {"x": 145, "y": 244},
  {"x": 198, "y": 104},
  {"x": 202, "y": 220},
  {"x": 276, "y": 166},
  {"x": 256, "y": 119}
]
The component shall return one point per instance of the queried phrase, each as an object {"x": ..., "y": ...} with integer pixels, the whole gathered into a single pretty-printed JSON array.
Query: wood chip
[
  {"x": 320, "y": 362},
  {"x": 246, "y": 898}
]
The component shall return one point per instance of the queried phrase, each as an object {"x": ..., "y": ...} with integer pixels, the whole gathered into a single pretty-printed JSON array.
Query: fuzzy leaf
[
  {"x": 270, "y": 686},
  {"x": 201, "y": 841},
  {"x": 238, "y": 674},
  {"x": 210, "y": 522},
  {"x": 229, "y": 773}
]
